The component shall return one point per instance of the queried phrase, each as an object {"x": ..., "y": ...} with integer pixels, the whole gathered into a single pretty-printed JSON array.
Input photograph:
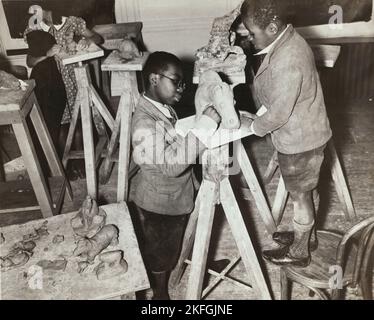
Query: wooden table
[
  {"x": 16, "y": 106},
  {"x": 20, "y": 283}
]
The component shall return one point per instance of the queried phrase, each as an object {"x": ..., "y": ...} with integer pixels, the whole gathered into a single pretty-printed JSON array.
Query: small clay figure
[
  {"x": 58, "y": 238},
  {"x": 82, "y": 266},
  {"x": 88, "y": 249},
  {"x": 9, "y": 81},
  {"x": 112, "y": 265},
  {"x": 212, "y": 91},
  {"x": 89, "y": 220},
  {"x": 56, "y": 265},
  {"x": 18, "y": 255},
  {"x": 128, "y": 50},
  {"x": 2, "y": 239}
]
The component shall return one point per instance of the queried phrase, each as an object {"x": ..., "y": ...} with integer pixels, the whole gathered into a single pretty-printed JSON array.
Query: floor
[{"x": 353, "y": 129}]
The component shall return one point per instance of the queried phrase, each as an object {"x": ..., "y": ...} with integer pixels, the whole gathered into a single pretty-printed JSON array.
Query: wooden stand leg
[
  {"x": 34, "y": 170},
  {"x": 255, "y": 188},
  {"x": 340, "y": 183},
  {"x": 188, "y": 240},
  {"x": 271, "y": 169},
  {"x": 280, "y": 201},
  {"x": 89, "y": 149},
  {"x": 243, "y": 240},
  {"x": 47, "y": 145},
  {"x": 203, "y": 233}
]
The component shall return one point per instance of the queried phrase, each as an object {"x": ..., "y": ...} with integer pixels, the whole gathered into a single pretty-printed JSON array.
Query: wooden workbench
[{"x": 19, "y": 283}]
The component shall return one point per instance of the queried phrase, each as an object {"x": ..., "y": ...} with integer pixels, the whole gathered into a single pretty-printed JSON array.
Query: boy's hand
[
  {"x": 213, "y": 114},
  {"x": 54, "y": 50}
]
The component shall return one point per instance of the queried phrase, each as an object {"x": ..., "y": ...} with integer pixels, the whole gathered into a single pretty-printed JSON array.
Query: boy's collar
[
  {"x": 161, "y": 107},
  {"x": 272, "y": 45}
]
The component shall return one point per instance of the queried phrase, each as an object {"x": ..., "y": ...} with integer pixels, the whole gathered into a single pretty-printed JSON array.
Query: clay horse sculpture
[
  {"x": 212, "y": 91},
  {"x": 221, "y": 54}
]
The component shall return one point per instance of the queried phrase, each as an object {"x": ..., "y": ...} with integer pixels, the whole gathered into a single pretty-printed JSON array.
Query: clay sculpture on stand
[
  {"x": 89, "y": 248},
  {"x": 212, "y": 91},
  {"x": 9, "y": 81},
  {"x": 89, "y": 219},
  {"x": 128, "y": 50},
  {"x": 112, "y": 264},
  {"x": 221, "y": 54}
]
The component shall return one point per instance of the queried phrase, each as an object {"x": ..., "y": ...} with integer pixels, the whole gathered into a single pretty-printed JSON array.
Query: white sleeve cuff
[{"x": 252, "y": 128}]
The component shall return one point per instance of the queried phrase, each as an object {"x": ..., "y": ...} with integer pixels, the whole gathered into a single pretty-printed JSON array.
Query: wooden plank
[
  {"x": 47, "y": 144},
  {"x": 69, "y": 284},
  {"x": 70, "y": 137},
  {"x": 127, "y": 104},
  {"x": 100, "y": 105},
  {"x": 279, "y": 201},
  {"x": 88, "y": 142},
  {"x": 187, "y": 244},
  {"x": 242, "y": 239},
  {"x": 92, "y": 52},
  {"x": 271, "y": 168},
  {"x": 33, "y": 167},
  {"x": 341, "y": 184},
  {"x": 255, "y": 188},
  {"x": 202, "y": 239}
]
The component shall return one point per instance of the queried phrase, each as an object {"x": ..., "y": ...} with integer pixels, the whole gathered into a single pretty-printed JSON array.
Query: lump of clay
[
  {"x": 55, "y": 265},
  {"x": 37, "y": 233},
  {"x": 128, "y": 50},
  {"x": 58, "y": 238},
  {"x": 2, "y": 239},
  {"x": 220, "y": 53},
  {"x": 212, "y": 91},
  {"x": 112, "y": 265},
  {"x": 9, "y": 81},
  {"x": 19, "y": 255},
  {"x": 88, "y": 249},
  {"x": 89, "y": 220}
]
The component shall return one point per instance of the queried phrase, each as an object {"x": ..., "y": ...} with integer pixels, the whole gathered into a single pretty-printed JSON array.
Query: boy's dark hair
[
  {"x": 158, "y": 62},
  {"x": 264, "y": 12}
]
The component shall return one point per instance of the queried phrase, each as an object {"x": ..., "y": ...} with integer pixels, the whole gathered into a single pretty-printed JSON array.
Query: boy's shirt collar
[
  {"x": 272, "y": 45},
  {"x": 163, "y": 109},
  {"x": 46, "y": 28}
]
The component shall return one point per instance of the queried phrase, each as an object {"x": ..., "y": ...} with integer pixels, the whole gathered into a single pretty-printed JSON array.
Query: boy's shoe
[
  {"x": 286, "y": 238},
  {"x": 275, "y": 253},
  {"x": 288, "y": 259}
]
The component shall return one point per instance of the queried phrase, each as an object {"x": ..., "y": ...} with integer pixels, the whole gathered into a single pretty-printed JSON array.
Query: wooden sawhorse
[
  {"x": 91, "y": 107},
  {"x": 198, "y": 231},
  {"x": 15, "y": 106},
  {"x": 124, "y": 83},
  {"x": 337, "y": 176}
]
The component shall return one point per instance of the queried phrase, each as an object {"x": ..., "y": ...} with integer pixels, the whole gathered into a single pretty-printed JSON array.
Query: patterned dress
[{"x": 73, "y": 26}]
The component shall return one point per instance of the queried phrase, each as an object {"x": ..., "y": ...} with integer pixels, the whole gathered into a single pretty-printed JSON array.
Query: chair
[{"x": 349, "y": 256}]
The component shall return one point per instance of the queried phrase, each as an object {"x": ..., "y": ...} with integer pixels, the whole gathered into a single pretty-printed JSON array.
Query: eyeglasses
[{"x": 179, "y": 84}]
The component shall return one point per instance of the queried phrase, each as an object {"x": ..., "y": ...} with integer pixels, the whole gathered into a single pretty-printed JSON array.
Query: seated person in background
[
  {"x": 164, "y": 188},
  {"x": 50, "y": 90},
  {"x": 288, "y": 87},
  {"x": 65, "y": 29}
]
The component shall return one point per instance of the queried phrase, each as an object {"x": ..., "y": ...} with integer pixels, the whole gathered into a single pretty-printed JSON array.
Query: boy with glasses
[{"x": 164, "y": 188}]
